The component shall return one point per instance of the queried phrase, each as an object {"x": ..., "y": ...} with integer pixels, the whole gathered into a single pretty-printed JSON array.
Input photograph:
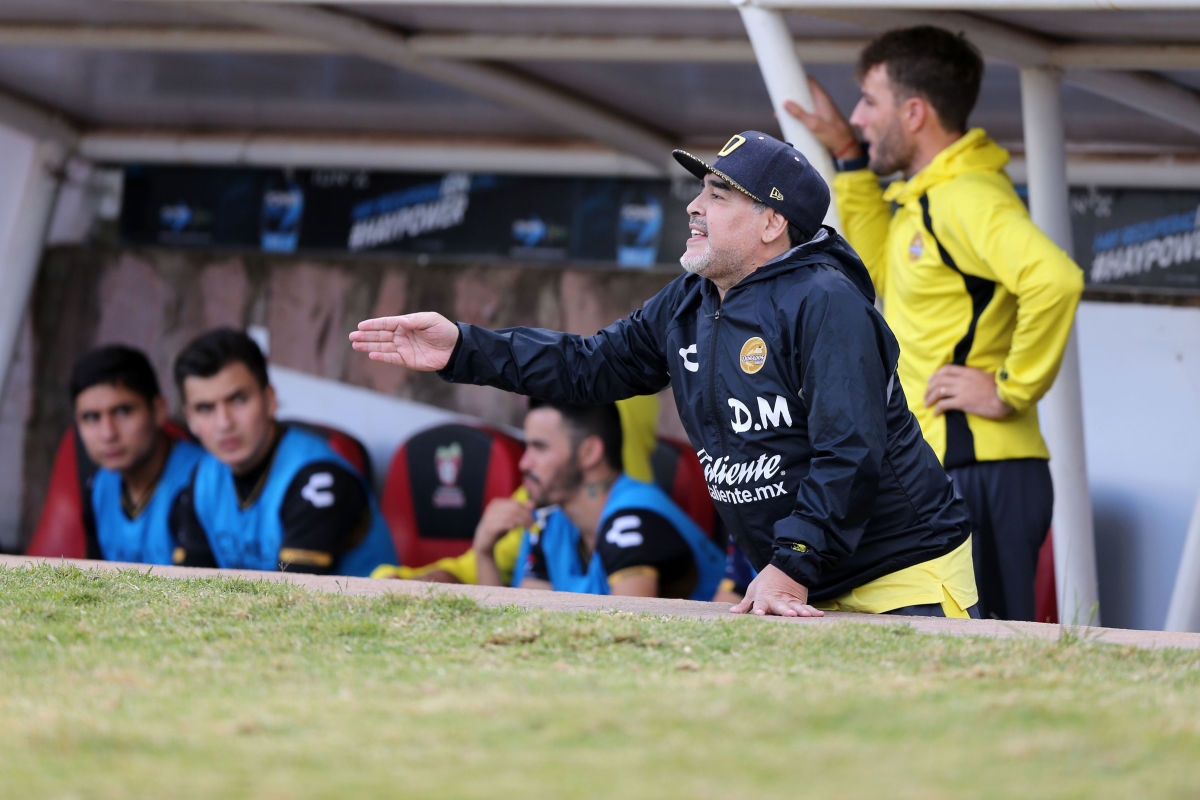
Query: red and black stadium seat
[
  {"x": 677, "y": 472},
  {"x": 61, "y": 532},
  {"x": 438, "y": 484}
]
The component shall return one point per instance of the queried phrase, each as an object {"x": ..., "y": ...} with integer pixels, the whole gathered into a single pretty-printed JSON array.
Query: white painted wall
[
  {"x": 1140, "y": 368},
  {"x": 381, "y": 422}
]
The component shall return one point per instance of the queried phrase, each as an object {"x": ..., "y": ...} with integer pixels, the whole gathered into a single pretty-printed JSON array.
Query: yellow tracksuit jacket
[{"x": 966, "y": 278}]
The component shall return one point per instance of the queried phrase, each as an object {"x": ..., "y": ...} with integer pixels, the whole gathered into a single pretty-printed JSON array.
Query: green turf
[{"x": 128, "y": 685}]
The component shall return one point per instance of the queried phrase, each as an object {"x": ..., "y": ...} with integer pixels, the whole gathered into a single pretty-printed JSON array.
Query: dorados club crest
[{"x": 753, "y": 355}]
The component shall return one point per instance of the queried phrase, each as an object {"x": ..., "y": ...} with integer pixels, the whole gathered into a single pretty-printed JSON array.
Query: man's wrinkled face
[
  {"x": 878, "y": 118},
  {"x": 726, "y": 227},
  {"x": 118, "y": 426},
  {"x": 549, "y": 467},
  {"x": 232, "y": 415}
]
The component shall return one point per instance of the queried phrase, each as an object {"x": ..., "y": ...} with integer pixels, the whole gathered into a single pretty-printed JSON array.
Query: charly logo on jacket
[
  {"x": 916, "y": 247},
  {"x": 688, "y": 364},
  {"x": 753, "y": 355},
  {"x": 448, "y": 463}
]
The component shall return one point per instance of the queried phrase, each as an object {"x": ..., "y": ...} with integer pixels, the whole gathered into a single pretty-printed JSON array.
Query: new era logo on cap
[{"x": 768, "y": 171}]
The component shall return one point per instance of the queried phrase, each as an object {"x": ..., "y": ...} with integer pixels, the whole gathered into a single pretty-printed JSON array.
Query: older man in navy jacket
[{"x": 784, "y": 375}]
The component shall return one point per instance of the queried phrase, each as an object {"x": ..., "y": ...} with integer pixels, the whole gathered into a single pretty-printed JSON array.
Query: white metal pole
[
  {"x": 30, "y": 202},
  {"x": 1062, "y": 407},
  {"x": 784, "y": 75}
]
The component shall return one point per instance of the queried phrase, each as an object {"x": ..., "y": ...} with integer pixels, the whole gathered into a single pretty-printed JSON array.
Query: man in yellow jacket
[{"x": 979, "y": 298}]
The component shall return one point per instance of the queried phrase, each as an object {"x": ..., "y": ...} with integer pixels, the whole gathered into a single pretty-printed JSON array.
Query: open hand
[
  {"x": 773, "y": 592},
  {"x": 422, "y": 341},
  {"x": 501, "y": 515},
  {"x": 826, "y": 123}
]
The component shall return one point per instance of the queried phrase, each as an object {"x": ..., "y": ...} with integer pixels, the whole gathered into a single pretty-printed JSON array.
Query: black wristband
[{"x": 851, "y": 164}]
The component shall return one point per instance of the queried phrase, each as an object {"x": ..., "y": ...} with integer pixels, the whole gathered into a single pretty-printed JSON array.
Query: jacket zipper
[
  {"x": 735, "y": 531},
  {"x": 713, "y": 410}
]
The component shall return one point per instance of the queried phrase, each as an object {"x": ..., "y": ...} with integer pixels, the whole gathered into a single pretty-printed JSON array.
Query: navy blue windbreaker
[{"x": 787, "y": 390}]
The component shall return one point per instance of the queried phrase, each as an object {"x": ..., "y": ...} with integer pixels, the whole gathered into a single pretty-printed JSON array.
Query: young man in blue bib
[
  {"x": 119, "y": 415},
  {"x": 265, "y": 496},
  {"x": 590, "y": 527}
]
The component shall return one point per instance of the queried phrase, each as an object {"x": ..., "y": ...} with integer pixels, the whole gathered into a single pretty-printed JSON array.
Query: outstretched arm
[{"x": 422, "y": 341}]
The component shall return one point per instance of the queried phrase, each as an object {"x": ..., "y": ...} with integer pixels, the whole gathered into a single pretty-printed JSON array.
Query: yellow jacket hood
[{"x": 973, "y": 152}]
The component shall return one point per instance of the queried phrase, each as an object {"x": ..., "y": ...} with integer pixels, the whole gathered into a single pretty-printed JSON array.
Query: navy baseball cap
[{"x": 768, "y": 171}]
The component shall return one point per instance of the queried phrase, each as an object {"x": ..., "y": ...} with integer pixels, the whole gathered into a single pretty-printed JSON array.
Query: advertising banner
[
  {"x": 1143, "y": 239},
  {"x": 628, "y": 222}
]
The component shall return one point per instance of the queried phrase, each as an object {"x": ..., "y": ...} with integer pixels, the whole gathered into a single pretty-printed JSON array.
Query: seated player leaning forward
[
  {"x": 600, "y": 531},
  {"x": 639, "y": 420},
  {"x": 119, "y": 414},
  {"x": 265, "y": 496},
  {"x": 784, "y": 376}
]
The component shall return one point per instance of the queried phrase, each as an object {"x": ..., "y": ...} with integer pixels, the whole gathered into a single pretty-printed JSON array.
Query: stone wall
[{"x": 159, "y": 299}]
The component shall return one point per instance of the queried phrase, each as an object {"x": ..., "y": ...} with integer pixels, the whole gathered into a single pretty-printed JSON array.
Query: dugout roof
[{"x": 618, "y": 83}]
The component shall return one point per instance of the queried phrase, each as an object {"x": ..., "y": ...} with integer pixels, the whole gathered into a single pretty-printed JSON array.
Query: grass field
[{"x": 127, "y": 685}]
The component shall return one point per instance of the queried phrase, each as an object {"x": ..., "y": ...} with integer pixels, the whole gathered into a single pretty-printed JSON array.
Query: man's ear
[
  {"x": 775, "y": 227},
  {"x": 590, "y": 452},
  {"x": 916, "y": 113},
  {"x": 272, "y": 401}
]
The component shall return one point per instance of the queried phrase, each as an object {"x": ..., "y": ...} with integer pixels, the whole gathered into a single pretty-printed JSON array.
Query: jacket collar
[{"x": 825, "y": 247}]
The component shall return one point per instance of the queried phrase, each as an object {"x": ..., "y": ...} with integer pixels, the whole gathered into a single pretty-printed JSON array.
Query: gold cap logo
[
  {"x": 776, "y": 194},
  {"x": 734, "y": 143},
  {"x": 753, "y": 356}
]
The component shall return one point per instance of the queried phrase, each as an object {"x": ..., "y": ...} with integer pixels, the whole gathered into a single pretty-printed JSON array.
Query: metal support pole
[
  {"x": 1062, "y": 407},
  {"x": 29, "y": 203},
  {"x": 784, "y": 76}
]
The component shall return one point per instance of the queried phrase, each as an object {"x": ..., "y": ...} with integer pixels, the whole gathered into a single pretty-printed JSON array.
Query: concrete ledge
[{"x": 565, "y": 601}]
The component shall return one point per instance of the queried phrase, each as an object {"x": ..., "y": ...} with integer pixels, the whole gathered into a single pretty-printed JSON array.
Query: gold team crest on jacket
[
  {"x": 916, "y": 247},
  {"x": 753, "y": 356}
]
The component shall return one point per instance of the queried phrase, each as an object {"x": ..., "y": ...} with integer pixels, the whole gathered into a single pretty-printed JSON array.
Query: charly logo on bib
[
  {"x": 753, "y": 355},
  {"x": 916, "y": 247}
]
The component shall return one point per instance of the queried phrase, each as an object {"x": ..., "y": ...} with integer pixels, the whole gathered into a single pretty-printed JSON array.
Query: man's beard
[
  {"x": 715, "y": 264},
  {"x": 890, "y": 154},
  {"x": 696, "y": 264},
  {"x": 558, "y": 489}
]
